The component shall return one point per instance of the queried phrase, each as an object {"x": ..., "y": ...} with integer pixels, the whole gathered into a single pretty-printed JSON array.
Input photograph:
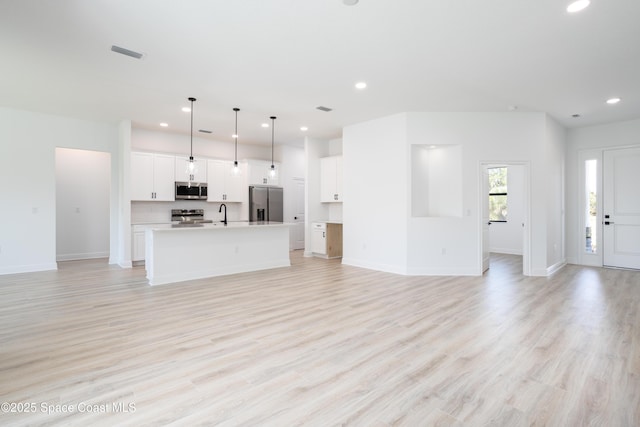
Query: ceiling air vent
[
  {"x": 325, "y": 109},
  {"x": 127, "y": 52},
  {"x": 204, "y": 131}
]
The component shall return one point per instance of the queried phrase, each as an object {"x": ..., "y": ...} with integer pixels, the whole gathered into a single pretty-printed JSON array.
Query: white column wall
[
  {"x": 553, "y": 173},
  {"x": 376, "y": 193}
]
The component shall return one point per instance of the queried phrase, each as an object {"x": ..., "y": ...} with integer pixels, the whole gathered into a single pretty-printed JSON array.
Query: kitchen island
[{"x": 176, "y": 254}]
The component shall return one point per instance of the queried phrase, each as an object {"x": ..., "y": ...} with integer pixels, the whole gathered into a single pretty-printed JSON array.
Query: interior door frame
[{"x": 526, "y": 229}]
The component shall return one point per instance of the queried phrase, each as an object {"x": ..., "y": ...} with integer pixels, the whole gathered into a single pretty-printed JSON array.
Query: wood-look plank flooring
[{"x": 321, "y": 344}]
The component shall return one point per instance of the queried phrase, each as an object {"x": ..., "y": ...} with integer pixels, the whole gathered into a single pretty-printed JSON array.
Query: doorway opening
[
  {"x": 508, "y": 223},
  {"x": 83, "y": 188}
]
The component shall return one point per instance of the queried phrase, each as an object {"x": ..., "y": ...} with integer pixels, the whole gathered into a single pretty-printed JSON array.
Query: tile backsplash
[{"x": 159, "y": 212}]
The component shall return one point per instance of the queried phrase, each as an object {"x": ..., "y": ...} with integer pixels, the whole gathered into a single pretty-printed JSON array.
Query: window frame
[{"x": 499, "y": 194}]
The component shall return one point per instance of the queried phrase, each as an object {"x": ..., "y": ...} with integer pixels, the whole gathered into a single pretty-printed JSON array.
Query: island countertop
[
  {"x": 217, "y": 225},
  {"x": 176, "y": 254}
]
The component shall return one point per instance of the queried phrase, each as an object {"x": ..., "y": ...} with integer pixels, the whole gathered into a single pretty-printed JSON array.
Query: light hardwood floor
[{"x": 321, "y": 344}]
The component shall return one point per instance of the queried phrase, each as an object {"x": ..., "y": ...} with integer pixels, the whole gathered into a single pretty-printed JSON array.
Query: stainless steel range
[{"x": 188, "y": 217}]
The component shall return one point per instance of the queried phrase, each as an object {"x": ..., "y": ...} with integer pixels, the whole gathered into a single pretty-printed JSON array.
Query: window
[
  {"x": 590, "y": 208},
  {"x": 498, "y": 194}
]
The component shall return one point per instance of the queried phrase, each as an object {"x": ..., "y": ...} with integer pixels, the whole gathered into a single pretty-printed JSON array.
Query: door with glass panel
[{"x": 621, "y": 208}]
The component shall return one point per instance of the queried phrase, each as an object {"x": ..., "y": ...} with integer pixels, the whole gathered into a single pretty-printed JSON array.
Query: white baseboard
[
  {"x": 387, "y": 268},
  {"x": 556, "y": 267},
  {"x": 28, "y": 268},
  {"x": 572, "y": 260},
  {"x": 508, "y": 251},
  {"x": 80, "y": 256}
]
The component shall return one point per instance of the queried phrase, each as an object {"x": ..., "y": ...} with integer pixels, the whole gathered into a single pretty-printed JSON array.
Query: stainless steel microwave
[{"x": 191, "y": 190}]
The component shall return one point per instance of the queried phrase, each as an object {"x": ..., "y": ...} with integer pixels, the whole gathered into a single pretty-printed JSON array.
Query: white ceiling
[{"x": 286, "y": 57}]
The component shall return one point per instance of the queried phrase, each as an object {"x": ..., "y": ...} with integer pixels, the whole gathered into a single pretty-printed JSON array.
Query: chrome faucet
[{"x": 225, "y": 212}]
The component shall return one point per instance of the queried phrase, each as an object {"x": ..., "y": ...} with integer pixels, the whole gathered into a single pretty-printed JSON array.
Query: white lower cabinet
[
  {"x": 326, "y": 239},
  {"x": 319, "y": 238},
  {"x": 138, "y": 239},
  {"x": 137, "y": 250}
]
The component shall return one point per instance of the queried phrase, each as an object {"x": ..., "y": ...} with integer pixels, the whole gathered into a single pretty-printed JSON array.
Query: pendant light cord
[
  {"x": 273, "y": 121},
  {"x": 236, "y": 135},
  {"x": 191, "y": 152}
]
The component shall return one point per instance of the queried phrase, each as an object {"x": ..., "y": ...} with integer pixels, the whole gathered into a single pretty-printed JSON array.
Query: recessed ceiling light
[
  {"x": 361, "y": 85},
  {"x": 577, "y": 6},
  {"x": 164, "y": 125},
  {"x": 575, "y": 116},
  {"x": 613, "y": 100},
  {"x": 204, "y": 131},
  {"x": 304, "y": 128},
  {"x": 350, "y": 2},
  {"x": 265, "y": 125},
  {"x": 186, "y": 109},
  {"x": 322, "y": 108},
  {"x": 234, "y": 136}
]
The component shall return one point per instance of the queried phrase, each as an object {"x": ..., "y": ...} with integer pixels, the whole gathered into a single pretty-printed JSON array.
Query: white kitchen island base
[{"x": 180, "y": 254}]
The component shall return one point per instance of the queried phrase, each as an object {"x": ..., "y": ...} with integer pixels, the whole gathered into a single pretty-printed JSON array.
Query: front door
[{"x": 621, "y": 202}]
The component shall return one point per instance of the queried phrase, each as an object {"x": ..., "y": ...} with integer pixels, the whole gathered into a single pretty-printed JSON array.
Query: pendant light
[
  {"x": 272, "y": 171},
  {"x": 236, "y": 169},
  {"x": 191, "y": 166}
]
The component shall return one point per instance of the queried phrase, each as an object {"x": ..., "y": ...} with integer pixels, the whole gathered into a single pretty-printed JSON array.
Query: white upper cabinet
[
  {"x": 258, "y": 172},
  {"x": 331, "y": 179},
  {"x": 152, "y": 177},
  {"x": 182, "y": 172},
  {"x": 223, "y": 185}
]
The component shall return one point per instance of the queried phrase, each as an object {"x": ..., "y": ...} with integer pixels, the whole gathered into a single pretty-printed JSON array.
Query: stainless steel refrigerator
[{"x": 265, "y": 203}]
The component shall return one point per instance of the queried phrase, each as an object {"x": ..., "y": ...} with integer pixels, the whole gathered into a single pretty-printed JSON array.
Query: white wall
[
  {"x": 379, "y": 231},
  {"x": 592, "y": 139},
  {"x": 314, "y": 149},
  {"x": 554, "y": 166},
  {"x": 507, "y": 237},
  {"x": 83, "y": 181},
  {"x": 178, "y": 144},
  {"x": 376, "y": 192},
  {"x": 27, "y": 157}
]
